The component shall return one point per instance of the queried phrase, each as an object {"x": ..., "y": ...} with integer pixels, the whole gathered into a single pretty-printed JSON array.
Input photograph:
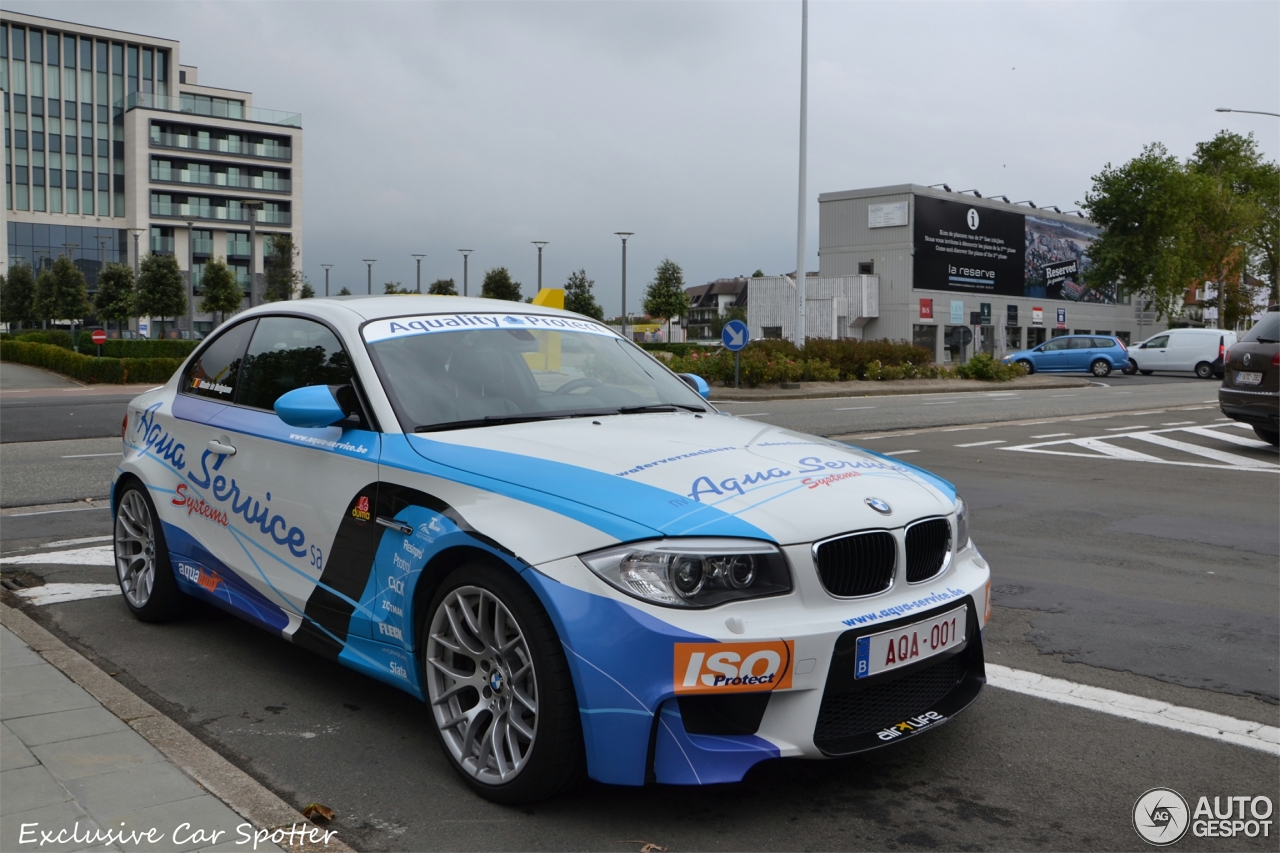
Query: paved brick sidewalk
[{"x": 73, "y": 768}]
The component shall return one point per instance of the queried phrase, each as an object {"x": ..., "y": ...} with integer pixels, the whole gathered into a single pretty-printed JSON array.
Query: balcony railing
[
  {"x": 221, "y": 179},
  {"x": 218, "y": 214},
  {"x": 202, "y": 247},
  {"x": 241, "y": 148},
  {"x": 219, "y": 109}
]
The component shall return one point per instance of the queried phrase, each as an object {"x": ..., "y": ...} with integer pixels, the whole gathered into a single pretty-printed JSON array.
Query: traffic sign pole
[
  {"x": 735, "y": 335},
  {"x": 737, "y": 359}
]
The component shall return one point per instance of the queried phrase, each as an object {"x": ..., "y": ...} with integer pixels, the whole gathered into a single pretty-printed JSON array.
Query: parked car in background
[
  {"x": 1250, "y": 391},
  {"x": 1073, "y": 354},
  {"x": 1197, "y": 350}
]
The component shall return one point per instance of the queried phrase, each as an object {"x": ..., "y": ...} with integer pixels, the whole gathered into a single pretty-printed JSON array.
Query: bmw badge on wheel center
[{"x": 574, "y": 560}]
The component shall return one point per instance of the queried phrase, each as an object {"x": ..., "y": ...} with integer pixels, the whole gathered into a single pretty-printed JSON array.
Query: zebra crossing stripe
[
  {"x": 1101, "y": 447},
  {"x": 1206, "y": 452}
]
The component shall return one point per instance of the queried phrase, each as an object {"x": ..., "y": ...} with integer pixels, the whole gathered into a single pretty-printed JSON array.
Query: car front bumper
[{"x": 623, "y": 655}]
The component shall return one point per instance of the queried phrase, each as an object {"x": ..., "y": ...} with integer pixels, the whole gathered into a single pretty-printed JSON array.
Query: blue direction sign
[{"x": 735, "y": 335}]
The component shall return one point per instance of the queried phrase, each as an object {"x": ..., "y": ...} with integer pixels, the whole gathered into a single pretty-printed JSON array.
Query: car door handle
[
  {"x": 398, "y": 526},
  {"x": 222, "y": 449}
]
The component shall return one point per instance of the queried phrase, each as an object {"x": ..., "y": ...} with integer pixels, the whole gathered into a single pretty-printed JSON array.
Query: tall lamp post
[
  {"x": 67, "y": 247},
  {"x": 1253, "y": 112},
  {"x": 191, "y": 278},
  {"x": 102, "y": 257},
  {"x": 539, "y": 244},
  {"x": 327, "y": 267},
  {"x": 804, "y": 144},
  {"x": 466, "y": 254},
  {"x": 419, "y": 258},
  {"x": 137, "y": 269},
  {"x": 253, "y": 247},
  {"x": 624, "y": 235},
  {"x": 370, "y": 262}
]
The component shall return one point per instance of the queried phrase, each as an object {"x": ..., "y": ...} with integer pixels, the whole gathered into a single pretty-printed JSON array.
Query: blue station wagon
[{"x": 1074, "y": 354}]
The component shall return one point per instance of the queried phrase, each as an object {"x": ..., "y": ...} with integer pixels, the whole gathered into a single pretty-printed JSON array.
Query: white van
[{"x": 1198, "y": 350}]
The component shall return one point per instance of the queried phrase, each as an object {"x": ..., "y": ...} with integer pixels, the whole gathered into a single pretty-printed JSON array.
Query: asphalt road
[{"x": 1146, "y": 564}]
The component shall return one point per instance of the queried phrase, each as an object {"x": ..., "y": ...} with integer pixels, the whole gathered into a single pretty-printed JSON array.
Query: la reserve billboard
[{"x": 963, "y": 248}]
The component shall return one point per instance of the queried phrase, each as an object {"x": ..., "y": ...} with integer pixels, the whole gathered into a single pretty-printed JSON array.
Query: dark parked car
[
  {"x": 1250, "y": 391},
  {"x": 1073, "y": 354}
]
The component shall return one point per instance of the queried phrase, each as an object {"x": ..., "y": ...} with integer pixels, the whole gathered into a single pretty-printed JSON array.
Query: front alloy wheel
[
  {"x": 499, "y": 687},
  {"x": 142, "y": 560}
]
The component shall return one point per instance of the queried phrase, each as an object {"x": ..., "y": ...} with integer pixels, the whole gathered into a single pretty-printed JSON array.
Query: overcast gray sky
[{"x": 431, "y": 127}]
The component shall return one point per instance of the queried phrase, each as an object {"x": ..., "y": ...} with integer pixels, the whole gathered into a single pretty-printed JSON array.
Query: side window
[
  {"x": 214, "y": 374},
  {"x": 1055, "y": 345},
  {"x": 1103, "y": 343},
  {"x": 1157, "y": 343},
  {"x": 288, "y": 353},
  {"x": 1080, "y": 343}
]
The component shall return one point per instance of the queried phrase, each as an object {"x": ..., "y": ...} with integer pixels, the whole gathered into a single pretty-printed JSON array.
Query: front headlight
[
  {"x": 962, "y": 524},
  {"x": 693, "y": 572}
]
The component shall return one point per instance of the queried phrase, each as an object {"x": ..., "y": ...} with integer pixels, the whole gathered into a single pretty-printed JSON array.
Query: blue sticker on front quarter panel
[
  {"x": 625, "y": 509},
  {"x": 933, "y": 479}
]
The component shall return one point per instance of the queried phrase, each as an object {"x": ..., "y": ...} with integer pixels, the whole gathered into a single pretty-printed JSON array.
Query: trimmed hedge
[
  {"x": 138, "y": 347},
  {"x": 88, "y": 368}
]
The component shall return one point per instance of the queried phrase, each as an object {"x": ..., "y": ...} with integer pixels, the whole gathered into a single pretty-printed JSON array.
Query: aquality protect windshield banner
[{"x": 428, "y": 324}]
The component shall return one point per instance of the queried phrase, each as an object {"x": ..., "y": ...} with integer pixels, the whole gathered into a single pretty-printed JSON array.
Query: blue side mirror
[
  {"x": 697, "y": 383},
  {"x": 310, "y": 407}
]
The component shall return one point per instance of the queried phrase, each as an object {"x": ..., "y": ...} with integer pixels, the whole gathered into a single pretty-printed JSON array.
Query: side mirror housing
[
  {"x": 311, "y": 407},
  {"x": 697, "y": 383}
]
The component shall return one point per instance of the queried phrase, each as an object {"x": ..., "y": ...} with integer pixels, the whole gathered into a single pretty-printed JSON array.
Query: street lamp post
[
  {"x": 466, "y": 254},
  {"x": 370, "y": 262},
  {"x": 191, "y": 278},
  {"x": 1252, "y": 112},
  {"x": 539, "y": 244},
  {"x": 253, "y": 246},
  {"x": 624, "y": 235},
  {"x": 327, "y": 267},
  {"x": 801, "y": 280},
  {"x": 137, "y": 270},
  {"x": 67, "y": 247},
  {"x": 419, "y": 258}
]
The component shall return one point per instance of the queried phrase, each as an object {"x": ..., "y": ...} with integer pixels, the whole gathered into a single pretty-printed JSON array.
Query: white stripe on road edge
[
  {"x": 54, "y": 511},
  {"x": 899, "y": 452},
  {"x": 1191, "y": 720},
  {"x": 1135, "y": 426},
  {"x": 92, "y": 455},
  {"x": 63, "y": 543},
  {"x": 100, "y": 556},
  {"x": 854, "y": 408},
  {"x": 59, "y": 593},
  {"x": 1053, "y": 435},
  {"x": 981, "y": 443}
]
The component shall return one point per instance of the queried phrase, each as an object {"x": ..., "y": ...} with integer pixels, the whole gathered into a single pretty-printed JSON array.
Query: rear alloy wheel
[
  {"x": 1204, "y": 370},
  {"x": 1027, "y": 366},
  {"x": 499, "y": 687},
  {"x": 142, "y": 559},
  {"x": 1100, "y": 368},
  {"x": 1270, "y": 436}
]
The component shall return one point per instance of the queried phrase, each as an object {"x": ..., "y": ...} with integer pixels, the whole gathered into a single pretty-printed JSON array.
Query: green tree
[
  {"x": 41, "y": 294},
  {"x": 220, "y": 293},
  {"x": 307, "y": 291},
  {"x": 665, "y": 297},
  {"x": 17, "y": 296},
  {"x": 280, "y": 268},
  {"x": 161, "y": 290},
  {"x": 498, "y": 285},
  {"x": 115, "y": 296},
  {"x": 443, "y": 287},
  {"x": 394, "y": 287},
  {"x": 67, "y": 296},
  {"x": 579, "y": 296},
  {"x": 1264, "y": 245},
  {"x": 344, "y": 292},
  {"x": 733, "y": 312},
  {"x": 758, "y": 274}
]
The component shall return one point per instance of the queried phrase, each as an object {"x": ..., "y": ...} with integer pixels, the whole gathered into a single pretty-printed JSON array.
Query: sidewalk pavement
[
  {"x": 894, "y": 388},
  {"x": 82, "y": 756}
]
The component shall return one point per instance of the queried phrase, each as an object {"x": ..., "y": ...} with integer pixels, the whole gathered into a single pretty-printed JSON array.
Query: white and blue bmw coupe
[{"x": 560, "y": 546}]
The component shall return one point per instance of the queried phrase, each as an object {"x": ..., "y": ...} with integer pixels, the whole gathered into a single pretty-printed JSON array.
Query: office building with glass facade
[{"x": 114, "y": 149}]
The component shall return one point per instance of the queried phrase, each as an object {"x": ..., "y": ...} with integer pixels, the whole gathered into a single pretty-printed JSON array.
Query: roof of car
[{"x": 355, "y": 310}]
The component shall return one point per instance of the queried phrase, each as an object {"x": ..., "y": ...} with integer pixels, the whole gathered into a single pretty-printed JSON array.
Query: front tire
[
  {"x": 1100, "y": 368},
  {"x": 1129, "y": 369},
  {"x": 1028, "y": 366},
  {"x": 1270, "y": 436},
  {"x": 499, "y": 688},
  {"x": 1204, "y": 370},
  {"x": 142, "y": 558}
]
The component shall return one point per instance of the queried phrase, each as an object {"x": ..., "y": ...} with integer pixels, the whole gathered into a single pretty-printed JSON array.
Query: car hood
[{"x": 681, "y": 474}]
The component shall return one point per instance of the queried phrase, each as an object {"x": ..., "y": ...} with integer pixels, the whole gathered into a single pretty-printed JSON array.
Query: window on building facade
[
  {"x": 867, "y": 268},
  {"x": 772, "y": 332}
]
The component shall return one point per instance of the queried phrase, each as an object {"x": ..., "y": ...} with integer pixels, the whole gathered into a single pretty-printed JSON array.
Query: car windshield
[
  {"x": 1265, "y": 331},
  {"x": 454, "y": 371}
]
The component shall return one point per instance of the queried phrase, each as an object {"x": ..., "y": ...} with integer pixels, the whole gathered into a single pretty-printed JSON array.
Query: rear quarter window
[{"x": 1266, "y": 330}]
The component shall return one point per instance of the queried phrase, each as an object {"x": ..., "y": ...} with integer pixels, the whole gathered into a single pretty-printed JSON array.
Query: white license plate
[
  {"x": 1248, "y": 378},
  {"x": 890, "y": 650}
]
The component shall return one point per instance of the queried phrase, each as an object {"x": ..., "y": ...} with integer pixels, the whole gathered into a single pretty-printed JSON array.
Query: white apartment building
[{"x": 113, "y": 149}]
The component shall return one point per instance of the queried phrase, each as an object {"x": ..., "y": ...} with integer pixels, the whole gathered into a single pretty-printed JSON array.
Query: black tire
[
  {"x": 1027, "y": 366},
  {"x": 1129, "y": 369},
  {"x": 141, "y": 558},
  {"x": 554, "y": 759},
  {"x": 1100, "y": 368},
  {"x": 1270, "y": 436},
  {"x": 1146, "y": 372},
  {"x": 1204, "y": 370}
]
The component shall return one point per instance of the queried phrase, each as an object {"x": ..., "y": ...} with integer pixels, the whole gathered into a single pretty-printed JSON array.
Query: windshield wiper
[
  {"x": 491, "y": 420},
  {"x": 658, "y": 407}
]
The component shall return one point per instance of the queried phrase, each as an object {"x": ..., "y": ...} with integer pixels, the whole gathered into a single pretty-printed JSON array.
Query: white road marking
[
  {"x": 1135, "y": 426},
  {"x": 1053, "y": 435},
  {"x": 981, "y": 443},
  {"x": 63, "y": 543},
  {"x": 54, "y": 511},
  {"x": 752, "y": 414},
  {"x": 962, "y": 429},
  {"x": 1139, "y": 414},
  {"x": 58, "y": 593},
  {"x": 99, "y": 556},
  {"x": 899, "y": 452},
  {"x": 1034, "y": 423},
  {"x": 1206, "y": 452},
  {"x": 92, "y": 455},
  {"x": 854, "y": 408},
  {"x": 1246, "y": 733},
  {"x": 1178, "y": 423},
  {"x": 1226, "y": 436},
  {"x": 940, "y": 403},
  {"x": 1094, "y": 418},
  {"x": 1103, "y": 449}
]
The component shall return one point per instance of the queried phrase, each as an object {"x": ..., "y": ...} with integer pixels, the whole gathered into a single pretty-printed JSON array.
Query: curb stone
[{"x": 240, "y": 791}]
